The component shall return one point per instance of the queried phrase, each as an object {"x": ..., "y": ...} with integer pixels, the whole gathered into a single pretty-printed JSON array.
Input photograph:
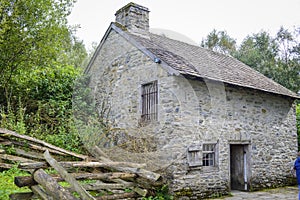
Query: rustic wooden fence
[{"x": 85, "y": 177}]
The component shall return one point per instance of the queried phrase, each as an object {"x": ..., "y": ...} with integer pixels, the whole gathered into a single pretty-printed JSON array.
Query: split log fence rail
[{"x": 86, "y": 177}]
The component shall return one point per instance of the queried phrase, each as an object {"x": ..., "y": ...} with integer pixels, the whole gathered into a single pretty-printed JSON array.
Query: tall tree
[
  {"x": 32, "y": 33},
  {"x": 259, "y": 52},
  {"x": 219, "y": 41},
  {"x": 40, "y": 57},
  {"x": 288, "y": 62},
  {"x": 276, "y": 57}
]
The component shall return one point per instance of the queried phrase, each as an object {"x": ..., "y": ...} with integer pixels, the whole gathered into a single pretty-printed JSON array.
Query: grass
[{"x": 7, "y": 185}]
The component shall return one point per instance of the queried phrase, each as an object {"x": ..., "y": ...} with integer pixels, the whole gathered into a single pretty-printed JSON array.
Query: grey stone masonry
[
  {"x": 192, "y": 113},
  {"x": 209, "y": 136},
  {"x": 134, "y": 18}
]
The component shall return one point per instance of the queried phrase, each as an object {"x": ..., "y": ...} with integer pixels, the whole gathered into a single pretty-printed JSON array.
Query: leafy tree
[
  {"x": 219, "y": 41},
  {"x": 276, "y": 57},
  {"x": 259, "y": 52},
  {"x": 288, "y": 59},
  {"x": 40, "y": 58},
  {"x": 32, "y": 33}
]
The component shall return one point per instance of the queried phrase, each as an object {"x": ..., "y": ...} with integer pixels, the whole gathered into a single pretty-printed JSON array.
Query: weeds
[{"x": 7, "y": 185}]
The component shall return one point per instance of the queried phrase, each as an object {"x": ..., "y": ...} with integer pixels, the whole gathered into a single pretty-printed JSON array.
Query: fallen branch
[
  {"x": 99, "y": 154},
  {"x": 36, "y": 147},
  {"x": 15, "y": 158},
  {"x": 51, "y": 186},
  {"x": 118, "y": 196},
  {"x": 6, "y": 166},
  {"x": 71, "y": 164},
  {"x": 7, "y": 133},
  {"x": 105, "y": 186},
  {"x": 21, "y": 196},
  {"x": 29, "y": 154},
  {"x": 40, "y": 192},
  {"x": 69, "y": 178},
  {"x": 22, "y": 181}
]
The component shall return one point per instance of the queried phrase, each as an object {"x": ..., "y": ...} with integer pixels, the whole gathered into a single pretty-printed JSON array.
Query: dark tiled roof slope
[{"x": 199, "y": 62}]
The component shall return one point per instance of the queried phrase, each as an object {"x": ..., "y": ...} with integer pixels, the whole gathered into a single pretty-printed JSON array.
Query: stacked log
[
  {"x": 89, "y": 177},
  {"x": 26, "y": 149}
]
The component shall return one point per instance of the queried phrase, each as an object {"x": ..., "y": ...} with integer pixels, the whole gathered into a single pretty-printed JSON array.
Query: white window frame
[{"x": 209, "y": 154}]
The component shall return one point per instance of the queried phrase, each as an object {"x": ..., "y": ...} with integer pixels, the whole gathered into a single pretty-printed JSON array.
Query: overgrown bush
[
  {"x": 7, "y": 185},
  {"x": 39, "y": 103}
]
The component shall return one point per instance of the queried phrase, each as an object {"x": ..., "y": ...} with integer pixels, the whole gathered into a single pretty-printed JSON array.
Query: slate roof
[
  {"x": 198, "y": 62},
  {"x": 203, "y": 63}
]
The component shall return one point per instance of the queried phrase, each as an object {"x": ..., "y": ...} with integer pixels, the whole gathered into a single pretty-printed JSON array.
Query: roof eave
[{"x": 295, "y": 96}]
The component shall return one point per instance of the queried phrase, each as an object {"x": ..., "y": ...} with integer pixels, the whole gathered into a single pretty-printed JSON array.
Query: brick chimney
[{"x": 134, "y": 18}]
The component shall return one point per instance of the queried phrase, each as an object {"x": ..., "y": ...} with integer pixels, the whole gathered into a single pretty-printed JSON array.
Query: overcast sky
[{"x": 192, "y": 18}]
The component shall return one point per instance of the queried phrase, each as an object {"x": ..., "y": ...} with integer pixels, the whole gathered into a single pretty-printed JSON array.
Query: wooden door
[{"x": 238, "y": 167}]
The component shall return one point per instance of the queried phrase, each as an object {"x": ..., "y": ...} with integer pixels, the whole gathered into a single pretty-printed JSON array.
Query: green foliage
[
  {"x": 219, "y": 41},
  {"x": 161, "y": 194},
  {"x": 91, "y": 122},
  {"x": 276, "y": 57},
  {"x": 40, "y": 58},
  {"x": 33, "y": 33},
  {"x": 40, "y": 105},
  {"x": 7, "y": 185},
  {"x": 259, "y": 52}
]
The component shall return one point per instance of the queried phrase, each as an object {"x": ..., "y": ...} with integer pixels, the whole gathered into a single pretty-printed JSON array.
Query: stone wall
[
  {"x": 233, "y": 115},
  {"x": 191, "y": 112}
]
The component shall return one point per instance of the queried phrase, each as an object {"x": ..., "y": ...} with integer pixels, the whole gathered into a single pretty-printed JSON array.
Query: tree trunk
[
  {"x": 29, "y": 154},
  {"x": 21, "y": 196},
  {"x": 22, "y": 181},
  {"x": 69, "y": 178},
  {"x": 118, "y": 196},
  {"x": 99, "y": 154},
  {"x": 51, "y": 186},
  {"x": 71, "y": 164},
  {"x": 36, "y": 147},
  {"x": 15, "y": 158},
  {"x": 6, "y": 133},
  {"x": 39, "y": 191}
]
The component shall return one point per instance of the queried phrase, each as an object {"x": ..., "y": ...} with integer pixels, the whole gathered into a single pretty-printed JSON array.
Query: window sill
[{"x": 203, "y": 168}]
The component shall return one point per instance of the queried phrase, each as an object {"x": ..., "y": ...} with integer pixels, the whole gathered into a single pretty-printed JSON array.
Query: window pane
[{"x": 208, "y": 155}]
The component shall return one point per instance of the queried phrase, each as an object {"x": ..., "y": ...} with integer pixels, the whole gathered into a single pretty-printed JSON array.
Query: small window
[
  {"x": 149, "y": 102},
  {"x": 208, "y": 154}
]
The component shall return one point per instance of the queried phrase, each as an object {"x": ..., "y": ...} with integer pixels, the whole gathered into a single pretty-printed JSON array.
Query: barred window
[
  {"x": 149, "y": 102},
  {"x": 208, "y": 155}
]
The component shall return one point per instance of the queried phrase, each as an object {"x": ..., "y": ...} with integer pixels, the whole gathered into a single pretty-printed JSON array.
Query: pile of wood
[{"x": 84, "y": 177}]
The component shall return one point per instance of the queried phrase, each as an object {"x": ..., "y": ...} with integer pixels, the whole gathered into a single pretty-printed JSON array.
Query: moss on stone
[
  {"x": 123, "y": 28},
  {"x": 187, "y": 192}
]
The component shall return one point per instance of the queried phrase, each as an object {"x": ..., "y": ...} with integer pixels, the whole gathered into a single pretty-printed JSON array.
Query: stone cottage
[{"x": 208, "y": 122}]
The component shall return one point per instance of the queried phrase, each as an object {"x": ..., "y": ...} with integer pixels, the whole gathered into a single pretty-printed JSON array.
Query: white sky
[{"x": 192, "y": 18}]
